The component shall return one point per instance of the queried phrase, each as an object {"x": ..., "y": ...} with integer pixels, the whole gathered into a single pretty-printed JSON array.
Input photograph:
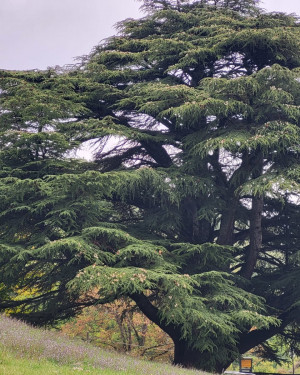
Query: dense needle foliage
[{"x": 190, "y": 206}]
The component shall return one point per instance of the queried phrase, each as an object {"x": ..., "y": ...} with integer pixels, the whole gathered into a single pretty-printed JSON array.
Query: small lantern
[{"x": 246, "y": 364}]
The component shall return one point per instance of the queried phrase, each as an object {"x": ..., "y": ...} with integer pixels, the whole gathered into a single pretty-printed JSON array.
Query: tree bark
[
  {"x": 253, "y": 338},
  {"x": 184, "y": 354},
  {"x": 255, "y": 237},
  {"x": 158, "y": 153},
  {"x": 152, "y": 313},
  {"x": 194, "y": 230},
  {"x": 226, "y": 235},
  {"x": 189, "y": 357}
]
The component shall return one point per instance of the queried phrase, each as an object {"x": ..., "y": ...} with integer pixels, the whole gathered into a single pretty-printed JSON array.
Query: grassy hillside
[
  {"x": 29, "y": 351},
  {"x": 10, "y": 364}
]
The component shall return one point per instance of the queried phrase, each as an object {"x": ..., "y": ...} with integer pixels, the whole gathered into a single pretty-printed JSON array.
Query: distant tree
[{"x": 190, "y": 207}]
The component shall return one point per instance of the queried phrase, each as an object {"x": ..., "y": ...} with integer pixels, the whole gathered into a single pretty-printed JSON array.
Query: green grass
[
  {"x": 25, "y": 350},
  {"x": 10, "y": 364}
]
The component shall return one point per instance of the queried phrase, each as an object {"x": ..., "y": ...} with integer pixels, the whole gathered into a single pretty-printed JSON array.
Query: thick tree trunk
[
  {"x": 188, "y": 357},
  {"x": 195, "y": 230},
  {"x": 227, "y": 223},
  {"x": 255, "y": 237},
  {"x": 184, "y": 355},
  {"x": 255, "y": 225}
]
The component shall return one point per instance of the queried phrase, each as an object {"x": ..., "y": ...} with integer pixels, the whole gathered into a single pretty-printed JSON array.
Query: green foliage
[{"x": 189, "y": 207}]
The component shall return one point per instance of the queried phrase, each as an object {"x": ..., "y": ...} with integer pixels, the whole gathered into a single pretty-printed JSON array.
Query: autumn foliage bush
[{"x": 119, "y": 325}]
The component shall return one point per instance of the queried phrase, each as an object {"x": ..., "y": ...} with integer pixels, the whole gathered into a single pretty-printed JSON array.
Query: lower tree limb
[{"x": 253, "y": 338}]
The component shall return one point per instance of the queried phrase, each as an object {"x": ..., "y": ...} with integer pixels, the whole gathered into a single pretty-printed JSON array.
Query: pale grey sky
[{"x": 42, "y": 33}]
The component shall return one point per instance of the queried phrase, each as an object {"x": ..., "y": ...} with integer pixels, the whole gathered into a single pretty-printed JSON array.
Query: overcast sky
[{"x": 42, "y": 33}]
